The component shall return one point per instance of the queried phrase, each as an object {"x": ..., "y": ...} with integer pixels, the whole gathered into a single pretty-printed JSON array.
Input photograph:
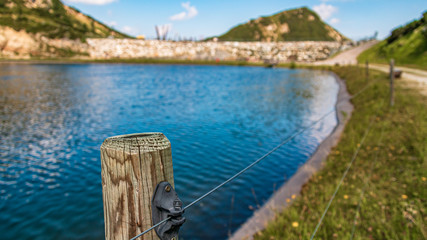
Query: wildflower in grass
[
  {"x": 293, "y": 196},
  {"x": 424, "y": 179},
  {"x": 346, "y": 196},
  {"x": 404, "y": 196},
  {"x": 337, "y": 152},
  {"x": 288, "y": 200},
  {"x": 295, "y": 224}
]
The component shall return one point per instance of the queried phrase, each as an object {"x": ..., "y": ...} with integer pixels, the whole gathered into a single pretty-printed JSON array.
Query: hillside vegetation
[
  {"x": 300, "y": 24},
  {"x": 406, "y": 44},
  {"x": 52, "y": 19}
]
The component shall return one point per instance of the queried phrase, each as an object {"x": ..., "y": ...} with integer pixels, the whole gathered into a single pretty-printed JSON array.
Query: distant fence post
[
  {"x": 132, "y": 166},
  {"x": 367, "y": 70},
  {"x": 391, "y": 82}
]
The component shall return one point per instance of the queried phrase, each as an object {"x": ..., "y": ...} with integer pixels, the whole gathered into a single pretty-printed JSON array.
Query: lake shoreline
[
  {"x": 279, "y": 200},
  {"x": 189, "y": 104},
  {"x": 145, "y": 61}
]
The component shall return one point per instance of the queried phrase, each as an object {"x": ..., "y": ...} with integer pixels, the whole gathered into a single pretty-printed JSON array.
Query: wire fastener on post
[
  {"x": 301, "y": 130},
  {"x": 261, "y": 158}
]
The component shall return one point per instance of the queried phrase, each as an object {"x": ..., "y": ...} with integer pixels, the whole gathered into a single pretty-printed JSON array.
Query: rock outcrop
[
  {"x": 52, "y": 19},
  {"x": 22, "y": 45}
]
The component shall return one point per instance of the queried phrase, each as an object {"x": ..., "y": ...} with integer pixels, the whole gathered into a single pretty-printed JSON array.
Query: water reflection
[{"x": 54, "y": 118}]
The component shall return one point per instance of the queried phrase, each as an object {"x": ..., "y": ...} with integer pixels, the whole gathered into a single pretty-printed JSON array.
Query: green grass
[
  {"x": 394, "y": 204},
  {"x": 410, "y": 51},
  {"x": 52, "y": 22},
  {"x": 406, "y": 44},
  {"x": 300, "y": 27},
  {"x": 401, "y": 167}
]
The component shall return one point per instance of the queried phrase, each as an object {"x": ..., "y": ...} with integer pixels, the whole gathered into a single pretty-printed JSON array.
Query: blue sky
[{"x": 197, "y": 19}]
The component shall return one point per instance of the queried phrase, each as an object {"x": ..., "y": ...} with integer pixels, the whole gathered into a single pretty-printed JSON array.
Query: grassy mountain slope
[
  {"x": 52, "y": 19},
  {"x": 300, "y": 24},
  {"x": 406, "y": 44}
]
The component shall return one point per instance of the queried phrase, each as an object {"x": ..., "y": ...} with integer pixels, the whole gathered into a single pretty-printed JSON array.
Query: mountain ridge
[{"x": 299, "y": 24}]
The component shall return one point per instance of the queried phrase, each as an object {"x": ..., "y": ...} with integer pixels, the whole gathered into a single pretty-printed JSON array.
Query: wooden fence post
[
  {"x": 391, "y": 82},
  {"x": 132, "y": 166}
]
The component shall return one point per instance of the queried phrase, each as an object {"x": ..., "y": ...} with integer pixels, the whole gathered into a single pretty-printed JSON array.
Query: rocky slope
[
  {"x": 46, "y": 28},
  {"x": 300, "y": 24},
  {"x": 49, "y": 29},
  {"x": 23, "y": 45},
  {"x": 52, "y": 19}
]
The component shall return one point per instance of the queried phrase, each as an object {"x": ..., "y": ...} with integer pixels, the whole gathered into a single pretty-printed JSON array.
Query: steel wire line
[
  {"x": 346, "y": 171},
  {"x": 364, "y": 88},
  {"x": 254, "y": 163},
  {"x": 301, "y": 130},
  {"x": 366, "y": 183}
]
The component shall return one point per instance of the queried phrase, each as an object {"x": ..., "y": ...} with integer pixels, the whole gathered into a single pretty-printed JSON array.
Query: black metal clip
[{"x": 166, "y": 203}]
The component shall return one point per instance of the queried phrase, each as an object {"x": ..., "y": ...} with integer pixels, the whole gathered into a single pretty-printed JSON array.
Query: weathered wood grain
[{"x": 132, "y": 166}]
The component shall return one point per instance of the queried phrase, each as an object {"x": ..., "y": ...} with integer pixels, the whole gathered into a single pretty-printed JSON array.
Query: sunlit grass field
[{"x": 390, "y": 170}]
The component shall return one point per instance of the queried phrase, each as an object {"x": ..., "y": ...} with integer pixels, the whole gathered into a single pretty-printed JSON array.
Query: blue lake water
[{"x": 218, "y": 118}]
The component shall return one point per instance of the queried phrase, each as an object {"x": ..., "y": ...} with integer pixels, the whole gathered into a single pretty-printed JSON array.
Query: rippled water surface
[{"x": 218, "y": 119}]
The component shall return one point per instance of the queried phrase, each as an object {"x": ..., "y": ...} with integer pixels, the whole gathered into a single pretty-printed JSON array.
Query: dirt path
[
  {"x": 348, "y": 57},
  {"x": 413, "y": 78}
]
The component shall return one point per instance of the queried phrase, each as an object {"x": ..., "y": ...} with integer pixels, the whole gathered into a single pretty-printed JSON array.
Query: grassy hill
[
  {"x": 406, "y": 44},
  {"x": 52, "y": 19},
  {"x": 300, "y": 24}
]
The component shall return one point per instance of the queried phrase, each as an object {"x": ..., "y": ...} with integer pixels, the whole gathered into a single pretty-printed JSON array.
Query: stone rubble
[{"x": 304, "y": 51}]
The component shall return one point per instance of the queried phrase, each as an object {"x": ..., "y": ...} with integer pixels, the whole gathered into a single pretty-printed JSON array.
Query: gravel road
[{"x": 414, "y": 78}]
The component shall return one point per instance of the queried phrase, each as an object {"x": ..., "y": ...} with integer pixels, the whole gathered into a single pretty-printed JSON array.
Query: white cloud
[
  {"x": 129, "y": 30},
  {"x": 190, "y": 12},
  {"x": 112, "y": 23},
  {"x": 93, "y": 2},
  {"x": 179, "y": 16},
  {"x": 325, "y": 11},
  {"x": 334, "y": 21},
  {"x": 336, "y": 0}
]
